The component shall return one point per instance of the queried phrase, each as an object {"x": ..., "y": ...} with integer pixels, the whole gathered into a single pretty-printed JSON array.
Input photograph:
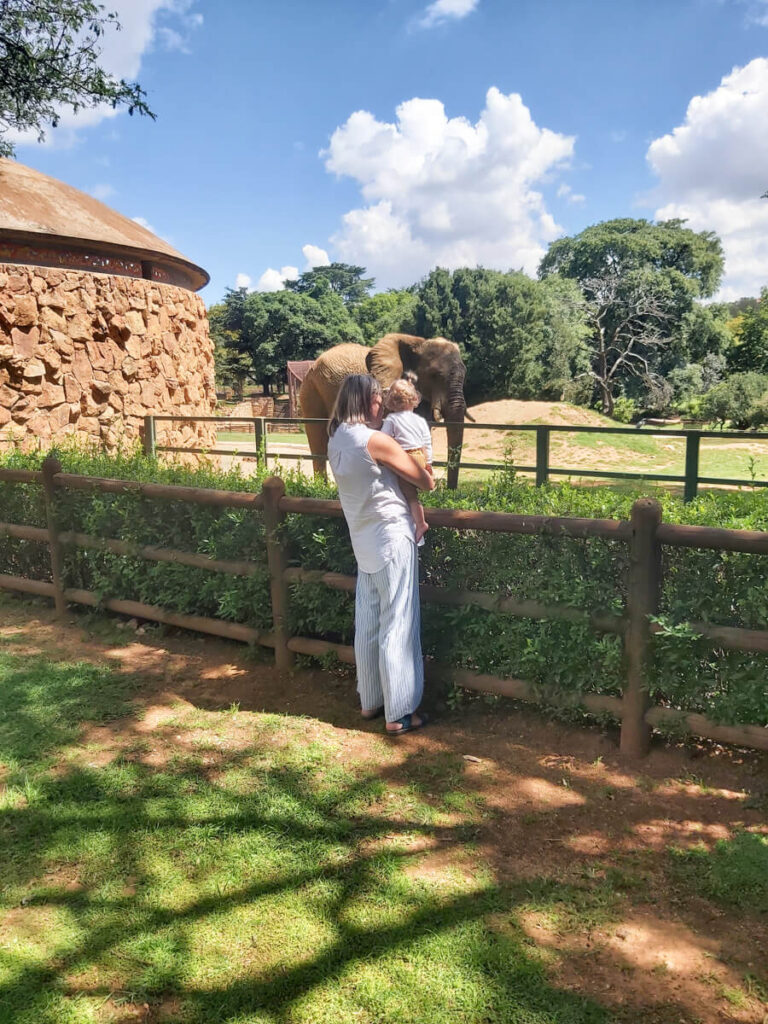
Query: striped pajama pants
[{"x": 390, "y": 670}]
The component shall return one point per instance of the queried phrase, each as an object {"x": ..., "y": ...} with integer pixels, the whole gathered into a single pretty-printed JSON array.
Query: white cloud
[
  {"x": 102, "y": 191},
  {"x": 167, "y": 24},
  {"x": 144, "y": 223},
  {"x": 273, "y": 280},
  {"x": 713, "y": 168},
  {"x": 444, "y": 191},
  {"x": 315, "y": 257},
  {"x": 567, "y": 193},
  {"x": 446, "y": 10},
  {"x": 242, "y": 281}
]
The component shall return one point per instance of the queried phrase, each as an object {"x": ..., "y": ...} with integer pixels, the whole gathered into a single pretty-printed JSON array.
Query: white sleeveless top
[{"x": 377, "y": 514}]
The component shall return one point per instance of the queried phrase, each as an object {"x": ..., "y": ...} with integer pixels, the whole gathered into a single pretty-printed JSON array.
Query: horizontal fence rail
[
  {"x": 644, "y": 533},
  {"x": 542, "y": 469}
]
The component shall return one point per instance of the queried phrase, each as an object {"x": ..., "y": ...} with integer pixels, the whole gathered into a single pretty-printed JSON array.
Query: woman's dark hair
[{"x": 353, "y": 402}]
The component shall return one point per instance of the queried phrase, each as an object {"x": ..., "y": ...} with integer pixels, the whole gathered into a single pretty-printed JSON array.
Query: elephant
[{"x": 440, "y": 374}]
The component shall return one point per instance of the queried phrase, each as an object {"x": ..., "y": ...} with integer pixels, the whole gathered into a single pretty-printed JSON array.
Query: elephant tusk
[{"x": 469, "y": 416}]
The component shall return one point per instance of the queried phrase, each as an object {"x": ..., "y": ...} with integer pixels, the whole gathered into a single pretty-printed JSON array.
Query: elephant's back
[{"x": 338, "y": 362}]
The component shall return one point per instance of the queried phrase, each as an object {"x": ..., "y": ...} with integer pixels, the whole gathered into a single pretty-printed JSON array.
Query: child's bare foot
[{"x": 421, "y": 529}]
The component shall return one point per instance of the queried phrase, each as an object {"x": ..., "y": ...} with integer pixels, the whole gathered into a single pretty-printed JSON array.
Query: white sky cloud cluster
[
  {"x": 272, "y": 280},
  {"x": 168, "y": 24},
  {"x": 443, "y": 191},
  {"x": 713, "y": 168},
  {"x": 446, "y": 10}
]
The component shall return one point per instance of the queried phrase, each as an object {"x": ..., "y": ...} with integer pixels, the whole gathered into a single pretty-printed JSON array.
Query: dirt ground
[{"x": 562, "y": 803}]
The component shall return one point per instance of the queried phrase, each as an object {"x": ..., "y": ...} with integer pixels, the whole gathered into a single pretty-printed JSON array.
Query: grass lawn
[{"x": 170, "y": 855}]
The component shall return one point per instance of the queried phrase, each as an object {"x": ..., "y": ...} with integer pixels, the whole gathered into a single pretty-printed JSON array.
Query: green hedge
[{"x": 720, "y": 587}]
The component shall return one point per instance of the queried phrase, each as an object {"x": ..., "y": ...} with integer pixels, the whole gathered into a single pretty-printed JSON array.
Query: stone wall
[{"x": 92, "y": 354}]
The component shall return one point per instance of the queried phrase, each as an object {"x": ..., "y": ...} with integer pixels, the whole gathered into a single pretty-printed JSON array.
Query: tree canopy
[
  {"x": 342, "y": 279},
  {"x": 49, "y": 60},
  {"x": 518, "y": 336},
  {"x": 271, "y": 328},
  {"x": 640, "y": 281}
]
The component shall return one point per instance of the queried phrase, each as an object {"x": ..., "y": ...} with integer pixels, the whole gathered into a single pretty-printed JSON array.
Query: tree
[
  {"x": 271, "y": 328},
  {"x": 518, "y": 336},
  {"x": 735, "y": 399},
  {"x": 232, "y": 367},
  {"x": 640, "y": 281},
  {"x": 49, "y": 59},
  {"x": 750, "y": 350},
  {"x": 341, "y": 279},
  {"x": 386, "y": 313}
]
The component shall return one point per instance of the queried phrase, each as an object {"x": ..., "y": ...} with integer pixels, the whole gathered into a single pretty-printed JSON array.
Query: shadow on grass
[{"x": 269, "y": 886}]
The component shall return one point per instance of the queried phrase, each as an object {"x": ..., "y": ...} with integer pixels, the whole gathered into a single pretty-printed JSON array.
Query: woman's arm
[{"x": 389, "y": 453}]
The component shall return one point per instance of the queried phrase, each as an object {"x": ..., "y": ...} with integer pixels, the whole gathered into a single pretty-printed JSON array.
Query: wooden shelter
[{"x": 297, "y": 371}]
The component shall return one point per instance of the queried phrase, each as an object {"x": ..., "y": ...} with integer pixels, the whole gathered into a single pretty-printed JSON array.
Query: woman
[{"x": 366, "y": 465}]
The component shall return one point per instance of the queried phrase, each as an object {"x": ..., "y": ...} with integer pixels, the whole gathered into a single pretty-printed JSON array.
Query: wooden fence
[
  {"x": 691, "y": 477},
  {"x": 645, "y": 533}
]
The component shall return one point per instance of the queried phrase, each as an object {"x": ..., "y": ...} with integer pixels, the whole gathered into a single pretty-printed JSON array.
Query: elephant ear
[{"x": 392, "y": 356}]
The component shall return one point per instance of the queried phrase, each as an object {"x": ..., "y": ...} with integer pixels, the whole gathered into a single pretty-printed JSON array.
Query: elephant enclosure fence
[
  {"x": 256, "y": 446},
  {"x": 644, "y": 533}
]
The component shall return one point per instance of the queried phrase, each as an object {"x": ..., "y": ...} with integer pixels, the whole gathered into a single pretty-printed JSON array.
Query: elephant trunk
[{"x": 453, "y": 414}]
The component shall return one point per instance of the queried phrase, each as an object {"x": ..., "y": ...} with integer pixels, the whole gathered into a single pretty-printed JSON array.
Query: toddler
[{"x": 411, "y": 433}]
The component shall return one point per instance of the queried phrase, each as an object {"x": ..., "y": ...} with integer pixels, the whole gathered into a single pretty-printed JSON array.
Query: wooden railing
[
  {"x": 691, "y": 477},
  {"x": 645, "y": 534}
]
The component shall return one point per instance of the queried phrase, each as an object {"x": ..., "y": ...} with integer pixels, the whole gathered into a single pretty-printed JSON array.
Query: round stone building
[{"x": 99, "y": 322}]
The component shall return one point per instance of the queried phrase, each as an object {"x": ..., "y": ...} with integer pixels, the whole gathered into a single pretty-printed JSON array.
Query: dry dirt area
[{"x": 561, "y": 804}]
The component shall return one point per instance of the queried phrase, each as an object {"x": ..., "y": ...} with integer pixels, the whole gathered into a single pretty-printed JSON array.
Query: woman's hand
[{"x": 384, "y": 449}]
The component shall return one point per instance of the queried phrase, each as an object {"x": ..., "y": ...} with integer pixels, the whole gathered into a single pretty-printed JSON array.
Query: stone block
[
  {"x": 59, "y": 418},
  {"x": 25, "y": 313},
  {"x": 101, "y": 388},
  {"x": 16, "y": 283},
  {"x": 39, "y": 425},
  {"x": 25, "y": 342},
  {"x": 7, "y": 396},
  {"x": 79, "y": 328},
  {"x": 62, "y": 343},
  {"x": 52, "y": 320},
  {"x": 50, "y": 357},
  {"x": 135, "y": 322},
  {"x": 34, "y": 368},
  {"x": 5, "y": 416},
  {"x": 81, "y": 366},
  {"x": 133, "y": 348},
  {"x": 52, "y": 394},
  {"x": 72, "y": 389}
]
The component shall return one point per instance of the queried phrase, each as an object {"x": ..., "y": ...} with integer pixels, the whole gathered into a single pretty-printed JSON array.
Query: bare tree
[{"x": 626, "y": 318}]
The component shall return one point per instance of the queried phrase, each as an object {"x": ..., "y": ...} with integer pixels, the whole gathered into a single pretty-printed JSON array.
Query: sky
[{"x": 406, "y": 134}]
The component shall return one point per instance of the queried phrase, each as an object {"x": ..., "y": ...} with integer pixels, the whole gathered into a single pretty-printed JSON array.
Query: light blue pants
[{"x": 390, "y": 669}]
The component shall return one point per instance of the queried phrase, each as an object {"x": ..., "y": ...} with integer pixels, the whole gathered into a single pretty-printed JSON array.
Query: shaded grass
[
  {"x": 258, "y": 880},
  {"x": 734, "y": 872}
]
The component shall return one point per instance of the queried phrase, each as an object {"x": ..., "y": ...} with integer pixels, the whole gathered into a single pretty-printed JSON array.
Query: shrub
[
  {"x": 624, "y": 409},
  {"x": 720, "y": 587},
  {"x": 734, "y": 399}
]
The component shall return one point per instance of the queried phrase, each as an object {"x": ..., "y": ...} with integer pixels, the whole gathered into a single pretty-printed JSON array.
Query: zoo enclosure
[
  {"x": 543, "y": 470},
  {"x": 645, "y": 533}
]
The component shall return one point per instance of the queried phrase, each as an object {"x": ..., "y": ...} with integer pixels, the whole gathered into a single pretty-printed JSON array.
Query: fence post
[
  {"x": 50, "y": 468},
  {"x": 542, "y": 455},
  {"x": 260, "y": 439},
  {"x": 692, "y": 442},
  {"x": 272, "y": 491},
  {"x": 149, "y": 437},
  {"x": 642, "y": 602}
]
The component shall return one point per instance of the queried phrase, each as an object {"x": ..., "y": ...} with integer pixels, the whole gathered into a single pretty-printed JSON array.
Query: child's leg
[{"x": 411, "y": 495}]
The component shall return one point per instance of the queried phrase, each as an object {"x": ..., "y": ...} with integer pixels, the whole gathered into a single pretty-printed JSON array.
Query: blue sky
[{"x": 296, "y": 131}]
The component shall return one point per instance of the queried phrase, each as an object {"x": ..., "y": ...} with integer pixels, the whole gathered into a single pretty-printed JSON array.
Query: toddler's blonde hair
[{"x": 402, "y": 395}]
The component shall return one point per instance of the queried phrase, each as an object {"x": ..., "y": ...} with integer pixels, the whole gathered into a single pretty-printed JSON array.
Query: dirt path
[{"x": 558, "y": 801}]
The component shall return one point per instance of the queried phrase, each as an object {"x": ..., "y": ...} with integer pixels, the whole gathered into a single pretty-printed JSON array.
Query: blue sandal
[{"x": 407, "y": 724}]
